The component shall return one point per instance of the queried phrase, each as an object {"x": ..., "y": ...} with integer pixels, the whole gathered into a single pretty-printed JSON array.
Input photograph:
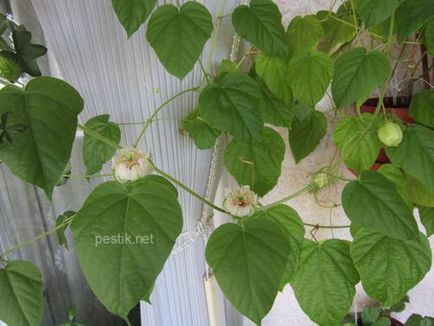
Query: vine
[{"x": 292, "y": 69}]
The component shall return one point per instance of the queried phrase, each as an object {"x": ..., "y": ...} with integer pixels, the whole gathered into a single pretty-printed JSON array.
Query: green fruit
[
  {"x": 9, "y": 68},
  {"x": 390, "y": 134}
]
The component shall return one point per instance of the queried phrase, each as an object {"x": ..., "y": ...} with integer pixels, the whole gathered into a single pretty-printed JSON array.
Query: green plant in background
[{"x": 350, "y": 51}]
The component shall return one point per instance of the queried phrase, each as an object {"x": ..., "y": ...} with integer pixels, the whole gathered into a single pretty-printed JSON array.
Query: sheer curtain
[{"x": 89, "y": 49}]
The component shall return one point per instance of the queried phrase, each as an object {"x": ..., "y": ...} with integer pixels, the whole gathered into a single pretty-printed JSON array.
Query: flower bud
[
  {"x": 323, "y": 178},
  {"x": 390, "y": 134},
  {"x": 9, "y": 69},
  {"x": 240, "y": 202},
  {"x": 130, "y": 165}
]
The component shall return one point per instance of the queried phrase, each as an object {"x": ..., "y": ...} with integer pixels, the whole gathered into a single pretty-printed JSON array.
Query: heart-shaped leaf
[
  {"x": 306, "y": 134},
  {"x": 48, "y": 107},
  {"x": 178, "y": 36},
  {"x": 21, "y": 294},
  {"x": 357, "y": 73},
  {"x": 123, "y": 235},
  {"x": 374, "y": 203},
  {"x": 273, "y": 71},
  {"x": 303, "y": 34},
  {"x": 357, "y": 140},
  {"x": 289, "y": 220},
  {"x": 258, "y": 164},
  {"x": 203, "y": 135},
  {"x": 411, "y": 16},
  {"x": 133, "y": 13},
  {"x": 373, "y": 12},
  {"x": 324, "y": 284},
  {"x": 390, "y": 267},
  {"x": 261, "y": 24},
  {"x": 248, "y": 262},
  {"x": 415, "y": 154},
  {"x": 309, "y": 75},
  {"x": 232, "y": 104},
  {"x": 95, "y": 152},
  {"x": 421, "y": 107}
]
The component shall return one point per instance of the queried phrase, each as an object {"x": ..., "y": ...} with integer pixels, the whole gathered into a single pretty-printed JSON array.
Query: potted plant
[{"x": 265, "y": 247}]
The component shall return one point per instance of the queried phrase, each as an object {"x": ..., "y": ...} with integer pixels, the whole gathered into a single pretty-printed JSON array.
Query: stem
[
  {"x": 215, "y": 34},
  {"x": 204, "y": 71},
  {"x": 190, "y": 191},
  {"x": 38, "y": 237},
  {"x": 4, "y": 82},
  {"x": 78, "y": 176},
  {"x": 390, "y": 37},
  {"x": 292, "y": 196},
  {"x": 149, "y": 121},
  {"x": 317, "y": 226},
  {"x": 98, "y": 136}
]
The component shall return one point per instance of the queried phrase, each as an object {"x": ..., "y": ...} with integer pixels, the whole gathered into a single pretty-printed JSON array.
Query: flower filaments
[
  {"x": 323, "y": 178},
  {"x": 240, "y": 202},
  {"x": 130, "y": 165}
]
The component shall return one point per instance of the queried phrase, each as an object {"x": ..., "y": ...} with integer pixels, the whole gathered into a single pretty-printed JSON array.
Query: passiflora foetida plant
[{"x": 349, "y": 54}]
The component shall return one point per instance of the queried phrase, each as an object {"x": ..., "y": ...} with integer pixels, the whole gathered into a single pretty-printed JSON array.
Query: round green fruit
[{"x": 390, "y": 134}]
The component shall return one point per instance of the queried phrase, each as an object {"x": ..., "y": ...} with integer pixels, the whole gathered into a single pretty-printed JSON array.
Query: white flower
[
  {"x": 130, "y": 165},
  {"x": 240, "y": 202}
]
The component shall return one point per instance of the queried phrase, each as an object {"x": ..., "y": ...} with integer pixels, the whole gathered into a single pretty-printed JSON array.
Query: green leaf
[
  {"x": 411, "y": 16},
  {"x": 123, "y": 235},
  {"x": 258, "y": 164},
  {"x": 373, "y": 12},
  {"x": 95, "y": 152},
  {"x": 261, "y": 24},
  {"x": 415, "y": 154},
  {"x": 248, "y": 262},
  {"x": 21, "y": 294},
  {"x": 324, "y": 284},
  {"x": 27, "y": 53},
  {"x": 418, "y": 320},
  {"x": 306, "y": 134},
  {"x": 429, "y": 36},
  {"x": 371, "y": 315},
  {"x": 390, "y": 267},
  {"x": 178, "y": 36},
  {"x": 398, "y": 177},
  {"x": 336, "y": 33},
  {"x": 61, "y": 229},
  {"x": 357, "y": 140},
  {"x": 309, "y": 76},
  {"x": 273, "y": 71},
  {"x": 287, "y": 219},
  {"x": 357, "y": 73},
  {"x": 374, "y": 196},
  {"x": 422, "y": 106},
  {"x": 416, "y": 192},
  {"x": 303, "y": 34},
  {"x": 203, "y": 135},
  {"x": 273, "y": 110},
  {"x": 427, "y": 218},
  {"x": 48, "y": 107},
  {"x": 232, "y": 104},
  {"x": 133, "y": 13}
]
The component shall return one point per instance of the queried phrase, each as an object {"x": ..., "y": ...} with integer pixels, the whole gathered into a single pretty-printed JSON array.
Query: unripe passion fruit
[{"x": 390, "y": 134}]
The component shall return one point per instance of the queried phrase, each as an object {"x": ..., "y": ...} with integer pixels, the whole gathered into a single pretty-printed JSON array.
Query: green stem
[
  {"x": 190, "y": 191},
  {"x": 205, "y": 73},
  {"x": 292, "y": 196},
  {"x": 149, "y": 121},
  {"x": 215, "y": 34},
  {"x": 317, "y": 226},
  {"x": 38, "y": 237},
  {"x": 79, "y": 176},
  {"x": 390, "y": 36},
  {"x": 98, "y": 136}
]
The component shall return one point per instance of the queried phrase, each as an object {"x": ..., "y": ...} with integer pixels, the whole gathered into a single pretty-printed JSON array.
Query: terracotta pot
[{"x": 400, "y": 110}]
